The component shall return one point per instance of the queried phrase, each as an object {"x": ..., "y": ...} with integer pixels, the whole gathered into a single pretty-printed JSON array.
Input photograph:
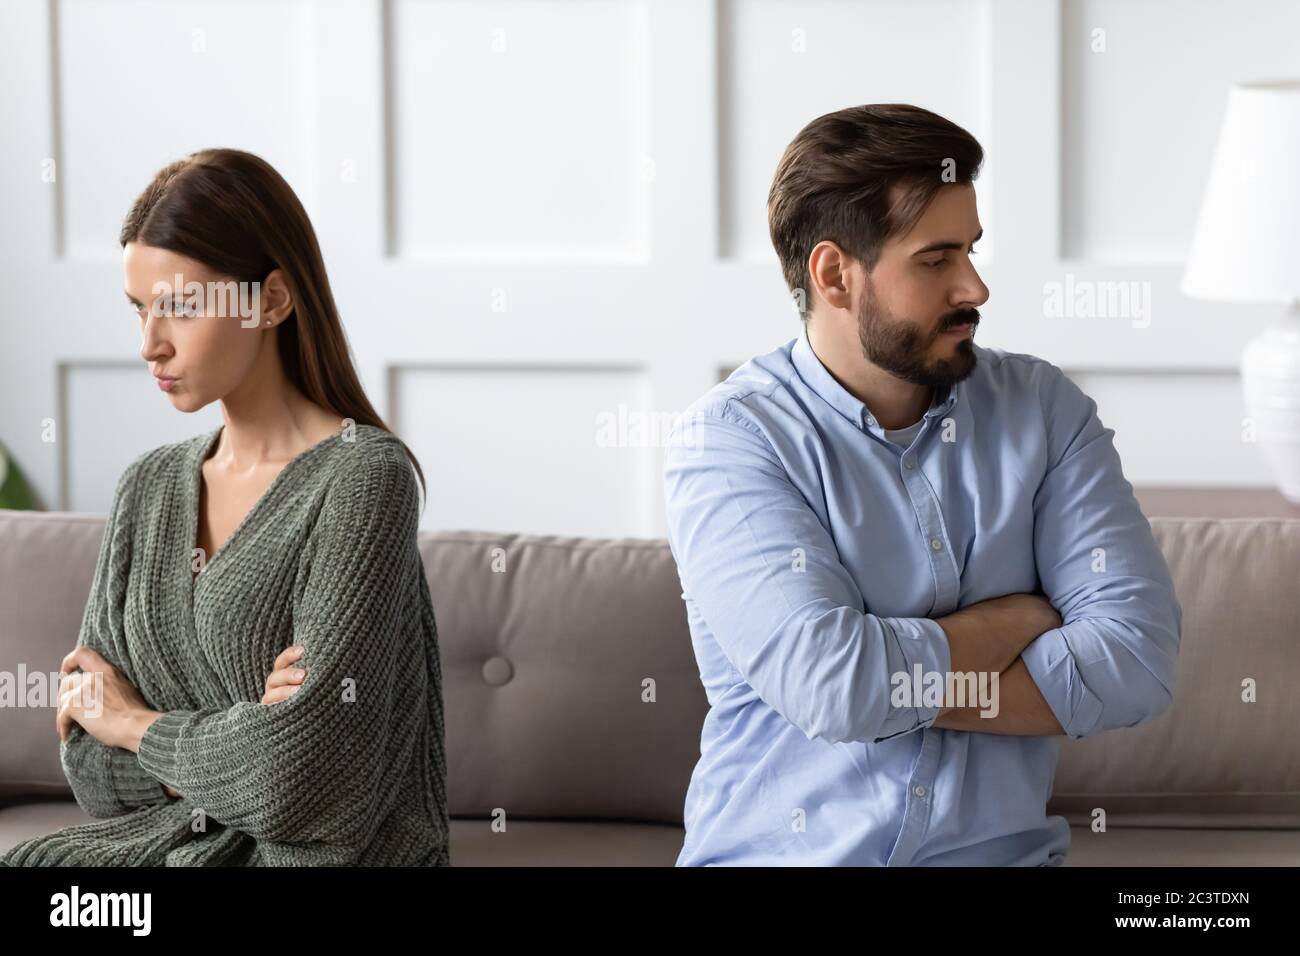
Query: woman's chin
[{"x": 182, "y": 400}]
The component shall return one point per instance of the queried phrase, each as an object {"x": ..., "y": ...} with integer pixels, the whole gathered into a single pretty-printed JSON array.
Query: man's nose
[{"x": 971, "y": 292}]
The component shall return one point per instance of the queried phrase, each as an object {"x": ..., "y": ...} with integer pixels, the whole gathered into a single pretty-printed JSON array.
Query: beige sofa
[{"x": 545, "y": 665}]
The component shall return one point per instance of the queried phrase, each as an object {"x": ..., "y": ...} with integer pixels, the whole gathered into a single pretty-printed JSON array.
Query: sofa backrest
[
  {"x": 569, "y": 681},
  {"x": 571, "y": 689},
  {"x": 1212, "y": 759},
  {"x": 47, "y": 562}
]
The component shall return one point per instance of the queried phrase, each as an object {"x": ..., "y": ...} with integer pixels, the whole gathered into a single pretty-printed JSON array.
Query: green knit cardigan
[{"x": 351, "y": 769}]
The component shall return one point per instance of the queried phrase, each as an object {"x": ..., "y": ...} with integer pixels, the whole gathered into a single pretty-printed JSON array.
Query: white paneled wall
[
  {"x": 557, "y": 466},
  {"x": 135, "y": 78},
  {"x": 542, "y": 108},
  {"x": 1141, "y": 116},
  {"x": 545, "y": 221},
  {"x": 781, "y": 64}
]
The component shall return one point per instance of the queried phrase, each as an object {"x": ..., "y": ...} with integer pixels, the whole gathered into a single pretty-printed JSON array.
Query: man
[{"x": 880, "y": 506}]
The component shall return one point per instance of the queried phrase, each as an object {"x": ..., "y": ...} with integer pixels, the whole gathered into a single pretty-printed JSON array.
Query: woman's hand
[
  {"x": 96, "y": 695},
  {"x": 285, "y": 678}
]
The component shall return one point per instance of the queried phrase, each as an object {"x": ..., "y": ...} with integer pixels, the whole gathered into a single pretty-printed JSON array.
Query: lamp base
[{"x": 1270, "y": 380}]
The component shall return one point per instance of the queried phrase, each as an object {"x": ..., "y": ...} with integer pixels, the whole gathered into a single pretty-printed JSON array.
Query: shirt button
[
  {"x": 936, "y": 544},
  {"x": 919, "y": 790},
  {"x": 909, "y": 463}
]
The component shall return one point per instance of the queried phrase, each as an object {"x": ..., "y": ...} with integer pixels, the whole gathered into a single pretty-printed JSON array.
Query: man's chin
[{"x": 954, "y": 368}]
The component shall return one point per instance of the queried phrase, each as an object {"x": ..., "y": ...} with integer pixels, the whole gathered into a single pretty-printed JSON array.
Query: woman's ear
[{"x": 276, "y": 298}]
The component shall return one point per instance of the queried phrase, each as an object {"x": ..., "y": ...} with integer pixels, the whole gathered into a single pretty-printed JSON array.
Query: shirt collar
[{"x": 815, "y": 375}]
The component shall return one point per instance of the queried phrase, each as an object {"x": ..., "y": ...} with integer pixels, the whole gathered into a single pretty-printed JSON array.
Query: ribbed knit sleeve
[
  {"x": 324, "y": 765},
  {"x": 108, "y": 781}
]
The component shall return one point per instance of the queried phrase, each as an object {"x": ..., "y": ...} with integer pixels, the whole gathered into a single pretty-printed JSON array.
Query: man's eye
[{"x": 936, "y": 264}]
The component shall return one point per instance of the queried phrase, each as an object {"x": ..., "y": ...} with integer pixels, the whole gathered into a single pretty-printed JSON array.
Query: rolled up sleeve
[
  {"x": 766, "y": 577},
  {"x": 919, "y": 642},
  {"x": 1112, "y": 662}
]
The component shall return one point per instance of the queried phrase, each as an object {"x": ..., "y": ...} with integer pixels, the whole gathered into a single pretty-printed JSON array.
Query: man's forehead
[{"x": 950, "y": 217}]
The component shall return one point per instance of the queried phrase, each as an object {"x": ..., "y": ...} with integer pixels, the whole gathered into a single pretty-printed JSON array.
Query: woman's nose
[{"x": 151, "y": 342}]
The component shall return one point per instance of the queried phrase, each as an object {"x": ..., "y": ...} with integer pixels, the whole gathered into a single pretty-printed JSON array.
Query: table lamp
[{"x": 1246, "y": 248}]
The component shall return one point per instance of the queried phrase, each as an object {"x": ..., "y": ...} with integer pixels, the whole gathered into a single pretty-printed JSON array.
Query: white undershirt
[{"x": 902, "y": 437}]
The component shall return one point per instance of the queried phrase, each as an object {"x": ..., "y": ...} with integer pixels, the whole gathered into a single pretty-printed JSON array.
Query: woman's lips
[{"x": 166, "y": 384}]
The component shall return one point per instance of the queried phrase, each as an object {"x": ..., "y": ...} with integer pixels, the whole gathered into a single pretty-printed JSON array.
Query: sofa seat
[
  {"x": 575, "y": 843},
  {"x": 473, "y": 843}
]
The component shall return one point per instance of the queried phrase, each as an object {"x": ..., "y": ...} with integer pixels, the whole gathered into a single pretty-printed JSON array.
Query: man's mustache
[{"x": 962, "y": 317}]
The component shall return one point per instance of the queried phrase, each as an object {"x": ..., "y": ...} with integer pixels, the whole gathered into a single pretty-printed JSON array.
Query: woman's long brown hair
[{"x": 231, "y": 211}]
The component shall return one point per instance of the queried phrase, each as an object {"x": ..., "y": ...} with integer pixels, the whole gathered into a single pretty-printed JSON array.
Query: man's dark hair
[{"x": 837, "y": 178}]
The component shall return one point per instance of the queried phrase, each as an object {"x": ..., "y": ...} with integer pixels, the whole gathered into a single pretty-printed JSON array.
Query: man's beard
[{"x": 901, "y": 347}]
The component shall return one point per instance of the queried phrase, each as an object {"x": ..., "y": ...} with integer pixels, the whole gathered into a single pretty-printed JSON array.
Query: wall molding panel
[{"x": 535, "y": 214}]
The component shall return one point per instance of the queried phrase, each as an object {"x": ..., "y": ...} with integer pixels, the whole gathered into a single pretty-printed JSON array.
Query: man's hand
[
  {"x": 988, "y": 637},
  {"x": 1019, "y": 709},
  {"x": 285, "y": 677},
  {"x": 985, "y": 631},
  {"x": 1034, "y": 609}
]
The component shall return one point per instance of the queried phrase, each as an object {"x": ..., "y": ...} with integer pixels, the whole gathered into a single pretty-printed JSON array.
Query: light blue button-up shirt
[{"x": 815, "y": 556}]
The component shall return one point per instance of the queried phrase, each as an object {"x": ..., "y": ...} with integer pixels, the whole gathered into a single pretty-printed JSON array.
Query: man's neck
[{"x": 895, "y": 403}]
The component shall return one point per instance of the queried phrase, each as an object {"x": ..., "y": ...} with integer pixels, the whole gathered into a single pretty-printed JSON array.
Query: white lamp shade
[{"x": 1246, "y": 247}]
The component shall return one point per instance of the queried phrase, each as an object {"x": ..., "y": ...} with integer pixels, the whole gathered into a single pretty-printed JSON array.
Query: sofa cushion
[
  {"x": 569, "y": 681},
  {"x": 563, "y": 843},
  {"x": 1211, "y": 759},
  {"x": 1164, "y": 846},
  {"x": 473, "y": 842},
  {"x": 548, "y": 645},
  {"x": 47, "y": 562}
]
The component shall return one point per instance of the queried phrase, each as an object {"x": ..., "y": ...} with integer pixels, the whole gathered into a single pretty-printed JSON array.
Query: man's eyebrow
[{"x": 947, "y": 244}]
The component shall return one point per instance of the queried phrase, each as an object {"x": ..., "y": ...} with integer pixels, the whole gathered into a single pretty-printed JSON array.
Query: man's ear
[
  {"x": 276, "y": 298},
  {"x": 828, "y": 272}
]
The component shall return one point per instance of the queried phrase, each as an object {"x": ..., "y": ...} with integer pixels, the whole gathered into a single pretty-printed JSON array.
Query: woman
[{"x": 282, "y": 542}]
